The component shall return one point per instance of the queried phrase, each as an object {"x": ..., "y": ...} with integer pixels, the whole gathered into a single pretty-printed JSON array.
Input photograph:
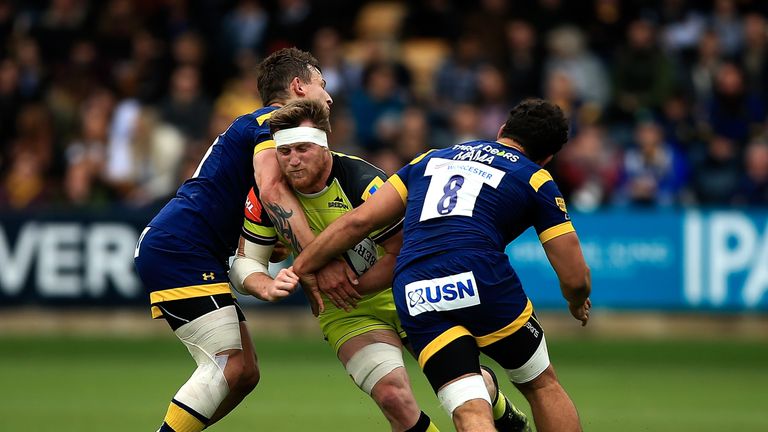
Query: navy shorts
[
  {"x": 175, "y": 270},
  {"x": 465, "y": 293}
]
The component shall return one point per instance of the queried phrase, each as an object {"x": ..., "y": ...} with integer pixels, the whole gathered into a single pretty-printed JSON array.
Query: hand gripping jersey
[
  {"x": 479, "y": 195},
  {"x": 207, "y": 208}
]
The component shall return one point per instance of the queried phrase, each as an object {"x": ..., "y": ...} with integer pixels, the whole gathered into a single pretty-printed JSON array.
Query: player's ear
[
  {"x": 498, "y": 134},
  {"x": 297, "y": 87}
]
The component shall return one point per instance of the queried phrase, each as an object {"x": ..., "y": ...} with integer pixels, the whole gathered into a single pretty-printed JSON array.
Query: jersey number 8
[{"x": 452, "y": 194}]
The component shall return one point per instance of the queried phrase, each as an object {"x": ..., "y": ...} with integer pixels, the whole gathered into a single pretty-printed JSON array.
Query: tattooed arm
[
  {"x": 281, "y": 218},
  {"x": 335, "y": 280}
]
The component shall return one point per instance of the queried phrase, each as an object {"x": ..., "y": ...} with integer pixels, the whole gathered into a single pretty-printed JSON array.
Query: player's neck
[{"x": 509, "y": 142}]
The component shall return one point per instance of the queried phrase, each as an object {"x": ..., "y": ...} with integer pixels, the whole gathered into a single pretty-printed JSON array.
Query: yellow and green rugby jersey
[{"x": 351, "y": 182}]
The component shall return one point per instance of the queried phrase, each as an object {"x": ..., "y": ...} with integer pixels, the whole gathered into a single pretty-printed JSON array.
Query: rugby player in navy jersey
[
  {"x": 454, "y": 288},
  {"x": 182, "y": 255}
]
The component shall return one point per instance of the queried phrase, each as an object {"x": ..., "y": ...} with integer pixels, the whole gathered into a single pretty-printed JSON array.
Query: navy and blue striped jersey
[
  {"x": 477, "y": 196},
  {"x": 208, "y": 208}
]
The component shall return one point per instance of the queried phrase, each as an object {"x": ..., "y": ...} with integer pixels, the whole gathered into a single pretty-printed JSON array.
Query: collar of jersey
[{"x": 313, "y": 195}]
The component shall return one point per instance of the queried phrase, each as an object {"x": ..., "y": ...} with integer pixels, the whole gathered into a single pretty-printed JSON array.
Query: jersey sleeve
[
  {"x": 399, "y": 180},
  {"x": 257, "y": 227},
  {"x": 551, "y": 217},
  {"x": 262, "y": 138}
]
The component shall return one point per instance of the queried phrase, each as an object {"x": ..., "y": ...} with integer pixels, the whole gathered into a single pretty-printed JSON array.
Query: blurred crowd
[{"x": 114, "y": 102}]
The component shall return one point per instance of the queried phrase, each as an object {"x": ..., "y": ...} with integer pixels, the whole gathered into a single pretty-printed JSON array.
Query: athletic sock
[
  {"x": 181, "y": 418},
  {"x": 499, "y": 405},
  {"x": 424, "y": 424}
]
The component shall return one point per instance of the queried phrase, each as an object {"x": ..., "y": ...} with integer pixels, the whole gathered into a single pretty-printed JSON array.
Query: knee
[
  {"x": 392, "y": 395},
  {"x": 243, "y": 376},
  {"x": 250, "y": 378}
]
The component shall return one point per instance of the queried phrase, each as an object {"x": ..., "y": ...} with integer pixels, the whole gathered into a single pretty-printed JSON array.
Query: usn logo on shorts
[{"x": 446, "y": 293}]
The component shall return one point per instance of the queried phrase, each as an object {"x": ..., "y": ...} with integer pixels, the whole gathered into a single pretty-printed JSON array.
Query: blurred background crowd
[{"x": 114, "y": 102}]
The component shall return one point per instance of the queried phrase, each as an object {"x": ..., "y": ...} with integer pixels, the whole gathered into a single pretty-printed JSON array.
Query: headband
[{"x": 299, "y": 135}]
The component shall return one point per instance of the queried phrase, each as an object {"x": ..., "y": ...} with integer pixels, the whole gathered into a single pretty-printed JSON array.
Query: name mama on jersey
[
  {"x": 442, "y": 294},
  {"x": 482, "y": 153}
]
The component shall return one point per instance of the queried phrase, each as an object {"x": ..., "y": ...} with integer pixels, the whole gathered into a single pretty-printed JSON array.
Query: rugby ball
[{"x": 362, "y": 256}]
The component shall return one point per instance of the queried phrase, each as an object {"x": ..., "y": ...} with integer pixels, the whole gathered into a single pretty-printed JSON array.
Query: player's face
[
  {"x": 304, "y": 166},
  {"x": 315, "y": 89}
]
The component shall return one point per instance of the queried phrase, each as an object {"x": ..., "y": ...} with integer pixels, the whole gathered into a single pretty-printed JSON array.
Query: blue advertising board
[
  {"x": 673, "y": 260},
  {"x": 708, "y": 260}
]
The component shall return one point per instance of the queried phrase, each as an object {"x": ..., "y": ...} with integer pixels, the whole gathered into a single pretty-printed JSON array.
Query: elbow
[{"x": 358, "y": 225}]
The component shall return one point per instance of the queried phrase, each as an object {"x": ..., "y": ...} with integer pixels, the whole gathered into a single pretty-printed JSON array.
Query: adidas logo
[{"x": 338, "y": 203}]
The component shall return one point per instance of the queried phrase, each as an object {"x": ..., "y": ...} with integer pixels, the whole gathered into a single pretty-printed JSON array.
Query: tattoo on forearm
[{"x": 280, "y": 217}]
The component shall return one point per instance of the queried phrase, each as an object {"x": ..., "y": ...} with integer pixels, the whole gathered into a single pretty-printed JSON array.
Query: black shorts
[{"x": 179, "y": 312}]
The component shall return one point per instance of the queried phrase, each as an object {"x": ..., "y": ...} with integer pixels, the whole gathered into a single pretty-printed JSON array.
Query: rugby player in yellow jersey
[{"x": 368, "y": 340}]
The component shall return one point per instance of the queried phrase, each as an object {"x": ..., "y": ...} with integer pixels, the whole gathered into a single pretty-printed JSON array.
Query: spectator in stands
[
  {"x": 522, "y": 65},
  {"x": 568, "y": 53},
  {"x": 10, "y": 103},
  {"x": 433, "y": 19},
  {"x": 378, "y": 104},
  {"x": 727, "y": 23},
  {"x": 25, "y": 185},
  {"x": 414, "y": 135},
  {"x": 559, "y": 89},
  {"x": 734, "y": 111},
  {"x": 653, "y": 174},
  {"x": 173, "y": 56},
  {"x": 152, "y": 69},
  {"x": 678, "y": 122},
  {"x": 754, "y": 57},
  {"x": 491, "y": 100},
  {"x": 342, "y": 77},
  {"x": 456, "y": 79},
  {"x": 243, "y": 31},
  {"x": 32, "y": 71},
  {"x": 715, "y": 173},
  {"x": 186, "y": 107},
  {"x": 643, "y": 76},
  {"x": 488, "y": 22},
  {"x": 587, "y": 168},
  {"x": 753, "y": 187},
  {"x": 464, "y": 124},
  {"x": 700, "y": 76}
]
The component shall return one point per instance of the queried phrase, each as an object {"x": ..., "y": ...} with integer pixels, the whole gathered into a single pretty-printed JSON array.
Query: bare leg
[
  {"x": 392, "y": 393},
  {"x": 473, "y": 416},
  {"x": 553, "y": 410}
]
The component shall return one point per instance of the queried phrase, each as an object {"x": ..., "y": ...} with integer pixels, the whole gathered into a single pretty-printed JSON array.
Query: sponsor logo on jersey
[
  {"x": 252, "y": 207},
  {"x": 209, "y": 276},
  {"x": 561, "y": 204},
  {"x": 484, "y": 154},
  {"x": 372, "y": 187},
  {"x": 442, "y": 294},
  {"x": 338, "y": 203}
]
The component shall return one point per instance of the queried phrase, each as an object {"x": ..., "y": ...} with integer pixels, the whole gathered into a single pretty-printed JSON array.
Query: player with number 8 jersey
[
  {"x": 500, "y": 198},
  {"x": 455, "y": 290}
]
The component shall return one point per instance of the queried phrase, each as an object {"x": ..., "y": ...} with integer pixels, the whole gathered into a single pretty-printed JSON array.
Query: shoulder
[
  {"x": 357, "y": 176},
  {"x": 257, "y": 121}
]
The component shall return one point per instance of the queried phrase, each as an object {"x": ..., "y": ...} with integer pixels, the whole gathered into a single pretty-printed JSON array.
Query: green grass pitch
[{"x": 82, "y": 384}]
